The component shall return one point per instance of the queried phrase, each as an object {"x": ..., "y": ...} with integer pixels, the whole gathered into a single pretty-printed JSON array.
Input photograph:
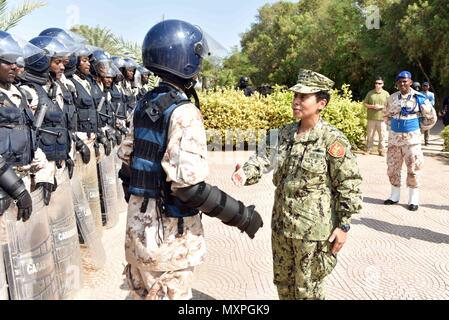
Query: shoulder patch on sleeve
[{"x": 337, "y": 150}]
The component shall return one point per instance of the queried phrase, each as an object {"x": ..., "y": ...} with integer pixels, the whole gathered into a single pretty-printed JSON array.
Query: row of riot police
[{"x": 64, "y": 107}]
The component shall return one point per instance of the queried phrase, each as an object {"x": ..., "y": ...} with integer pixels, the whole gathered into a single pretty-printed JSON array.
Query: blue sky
[{"x": 222, "y": 20}]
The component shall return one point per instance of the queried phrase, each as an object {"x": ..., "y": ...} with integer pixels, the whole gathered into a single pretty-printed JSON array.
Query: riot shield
[
  {"x": 3, "y": 242},
  {"x": 29, "y": 260},
  {"x": 86, "y": 225},
  {"x": 108, "y": 191},
  {"x": 88, "y": 177},
  {"x": 3, "y": 284},
  {"x": 65, "y": 239}
]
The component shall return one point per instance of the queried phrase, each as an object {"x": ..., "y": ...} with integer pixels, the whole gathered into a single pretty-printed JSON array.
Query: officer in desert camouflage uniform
[
  {"x": 318, "y": 190},
  {"x": 408, "y": 112},
  {"x": 166, "y": 151}
]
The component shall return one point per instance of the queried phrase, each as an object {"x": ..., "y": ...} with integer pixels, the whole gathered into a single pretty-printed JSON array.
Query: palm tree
[
  {"x": 9, "y": 19},
  {"x": 105, "y": 39},
  {"x": 98, "y": 37},
  {"x": 130, "y": 49}
]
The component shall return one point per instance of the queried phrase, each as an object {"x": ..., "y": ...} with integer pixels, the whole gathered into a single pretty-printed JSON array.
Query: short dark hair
[
  {"x": 380, "y": 78},
  {"x": 323, "y": 95}
]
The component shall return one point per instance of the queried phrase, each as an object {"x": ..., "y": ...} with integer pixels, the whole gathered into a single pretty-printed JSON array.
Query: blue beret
[{"x": 404, "y": 75}]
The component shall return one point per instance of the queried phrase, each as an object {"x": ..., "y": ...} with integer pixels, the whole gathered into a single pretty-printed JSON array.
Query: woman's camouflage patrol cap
[{"x": 312, "y": 82}]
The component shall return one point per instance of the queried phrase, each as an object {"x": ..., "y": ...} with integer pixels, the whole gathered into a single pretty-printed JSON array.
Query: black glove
[
  {"x": 105, "y": 142},
  {"x": 70, "y": 167},
  {"x": 110, "y": 134},
  {"x": 84, "y": 150},
  {"x": 5, "y": 202},
  {"x": 12, "y": 186},
  {"x": 118, "y": 137},
  {"x": 25, "y": 206},
  {"x": 107, "y": 148},
  {"x": 126, "y": 192},
  {"x": 123, "y": 130},
  {"x": 125, "y": 175},
  {"x": 47, "y": 189},
  {"x": 97, "y": 149}
]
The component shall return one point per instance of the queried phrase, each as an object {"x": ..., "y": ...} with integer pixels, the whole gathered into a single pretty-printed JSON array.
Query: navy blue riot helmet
[
  {"x": 70, "y": 65},
  {"x": 15, "y": 50},
  {"x": 99, "y": 55},
  {"x": 119, "y": 62},
  {"x": 69, "y": 41},
  {"x": 60, "y": 34},
  {"x": 176, "y": 47},
  {"x": 101, "y": 64},
  {"x": 40, "y": 63},
  {"x": 10, "y": 50}
]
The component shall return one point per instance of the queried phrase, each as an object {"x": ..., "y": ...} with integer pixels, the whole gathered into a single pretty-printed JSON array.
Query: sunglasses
[{"x": 380, "y": 83}]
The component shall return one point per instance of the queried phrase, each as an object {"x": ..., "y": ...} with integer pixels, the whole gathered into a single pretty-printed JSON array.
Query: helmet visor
[
  {"x": 131, "y": 64},
  {"x": 57, "y": 49},
  {"x": 117, "y": 72},
  {"x": 65, "y": 37},
  {"x": 78, "y": 38},
  {"x": 14, "y": 49},
  {"x": 215, "y": 49},
  {"x": 119, "y": 62},
  {"x": 52, "y": 46},
  {"x": 10, "y": 50},
  {"x": 143, "y": 71},
  {"x": 104, "y": 68},
  {"x": 85, "y": 50}
]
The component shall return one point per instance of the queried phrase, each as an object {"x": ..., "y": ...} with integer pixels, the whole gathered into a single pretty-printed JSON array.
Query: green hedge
[{"x": 230, "y": 109}]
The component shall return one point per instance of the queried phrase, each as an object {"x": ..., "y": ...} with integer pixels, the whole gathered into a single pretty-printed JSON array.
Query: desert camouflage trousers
[
  {"x": 300, "y": 267},
  {"x": 413, "y": 157},
  {"x": 152, "y": 285},
  {"x": 161, "y": 261}
]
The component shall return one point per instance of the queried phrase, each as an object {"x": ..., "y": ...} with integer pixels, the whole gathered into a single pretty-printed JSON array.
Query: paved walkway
[{"x": 391, "y": 254}]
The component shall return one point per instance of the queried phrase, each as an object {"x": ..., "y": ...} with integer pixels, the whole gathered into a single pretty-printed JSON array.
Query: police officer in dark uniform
[
  {"x": 11, "y": 185},
  {"x": 245, "y": 87},
  {"x": 128, "y": 70},
  {"x": 416, "y": 86},
  {"x": 100, "y": 61},
  {"x": 43, "y": 91},
  {"x": 143, "y": 74},
  {"x": 18, "y": 150},
  {"x": 90, "y": 141},
  {"x": 23, "y": 169}
]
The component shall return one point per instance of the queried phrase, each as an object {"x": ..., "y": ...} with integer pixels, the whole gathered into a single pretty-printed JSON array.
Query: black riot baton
[
  {"x": 40, "y": 116},
  {"x": 118, "y": 109},
  {"x": 100, "y": 106}
]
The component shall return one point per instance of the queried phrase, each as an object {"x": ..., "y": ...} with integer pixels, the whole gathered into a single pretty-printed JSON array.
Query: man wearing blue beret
[{"x": 408, "y": 112}]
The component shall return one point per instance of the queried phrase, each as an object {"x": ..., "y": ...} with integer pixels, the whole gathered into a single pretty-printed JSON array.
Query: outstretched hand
[{"x": 239, "y": 176}]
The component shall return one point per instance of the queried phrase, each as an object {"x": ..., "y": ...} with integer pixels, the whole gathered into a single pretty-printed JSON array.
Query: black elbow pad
[
  {"x": 10, "y": 182},
  {"x": 218, "y": 204}
]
